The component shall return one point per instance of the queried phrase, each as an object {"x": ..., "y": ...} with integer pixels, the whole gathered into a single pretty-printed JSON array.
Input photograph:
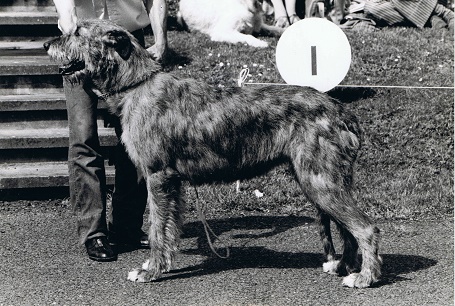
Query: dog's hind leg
[
  {"x": 166, "y": 209},
  {"x": 341, "y": 207},
  {"x": 348, "y": 262},
  {"x": 331, "y": 264},
  {"x": 321, "y": 179}
]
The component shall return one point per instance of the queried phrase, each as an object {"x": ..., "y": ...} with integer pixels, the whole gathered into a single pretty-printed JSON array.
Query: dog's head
[{"x": 99, "y": 50}]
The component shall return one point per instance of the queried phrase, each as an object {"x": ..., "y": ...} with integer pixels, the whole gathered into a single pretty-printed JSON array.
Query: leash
[
  {"x": 242, "y": 76},
  {"x": 367, "y": 86},
  {"x": 208, "y": 230},
  {"x": 201, "y": 208},
  {"x": 245, "y": 72}
]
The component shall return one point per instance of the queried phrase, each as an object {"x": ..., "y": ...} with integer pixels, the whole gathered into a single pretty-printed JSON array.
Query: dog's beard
[
  {"x": 73, "y": 69},
  {"x": 68, "y": 64}
]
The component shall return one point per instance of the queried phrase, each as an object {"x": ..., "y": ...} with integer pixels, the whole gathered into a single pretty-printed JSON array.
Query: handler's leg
[
  {"x": 129, "y": 199},
  {"x": 87, "y": 179}
]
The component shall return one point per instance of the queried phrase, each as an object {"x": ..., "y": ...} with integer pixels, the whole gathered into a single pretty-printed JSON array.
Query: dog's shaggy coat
[
  {"x": 182, "y": 129},
  {"x": 232, "y": 21}
]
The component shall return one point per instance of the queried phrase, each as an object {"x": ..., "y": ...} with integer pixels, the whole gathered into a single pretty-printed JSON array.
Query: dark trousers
[{"x": 87, "y": 177}]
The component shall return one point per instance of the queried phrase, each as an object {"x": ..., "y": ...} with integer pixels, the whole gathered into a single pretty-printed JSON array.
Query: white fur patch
[
  {"x": 330, "y": 266},
  {"x": 349, "y": 281},
  {"x": 320, "y": 181},
  {"x": 145, "y": 265},
  {"x": 132, "y": 275},
  {"x": 324, "y": 123},
  {"x": 230, "y": 21}
]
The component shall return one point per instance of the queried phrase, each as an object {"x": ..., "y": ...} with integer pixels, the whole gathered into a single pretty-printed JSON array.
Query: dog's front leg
[
  {"x": 166, "y": 208},
  {"x": 237, "y": 37}
]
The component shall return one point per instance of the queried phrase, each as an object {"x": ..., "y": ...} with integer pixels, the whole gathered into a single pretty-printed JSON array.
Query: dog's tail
[
  {"x": 350, "y": 144},
  {"x": 350, "y": 133}
]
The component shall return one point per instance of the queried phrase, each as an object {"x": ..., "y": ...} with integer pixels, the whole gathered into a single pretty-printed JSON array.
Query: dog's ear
[{"x": 120, "y": 41}]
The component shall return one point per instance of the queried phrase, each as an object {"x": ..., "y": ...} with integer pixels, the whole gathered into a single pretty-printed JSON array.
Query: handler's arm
[
  {"x": 157, "y": 11},
  {"x": 66, "y": 15}
]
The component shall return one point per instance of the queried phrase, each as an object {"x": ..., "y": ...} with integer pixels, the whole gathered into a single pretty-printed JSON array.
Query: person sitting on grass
[{"x": 417, "y": 13}]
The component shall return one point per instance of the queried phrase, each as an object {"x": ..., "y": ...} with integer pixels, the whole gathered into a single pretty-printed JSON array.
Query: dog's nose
[{"x": 46, "y": 45}]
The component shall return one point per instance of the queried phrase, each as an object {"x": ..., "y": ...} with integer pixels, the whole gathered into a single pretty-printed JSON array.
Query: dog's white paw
[
  {"x": 330, "y": 266},
  {"x": 145, "y": 265},
  {"x": 133, "y": 275},
  {"x": 142, "y": 276},
  {"x": 258, "y": 43},
  {"x": 357, "y": 280},
  {"x": 349, "y": 281}
]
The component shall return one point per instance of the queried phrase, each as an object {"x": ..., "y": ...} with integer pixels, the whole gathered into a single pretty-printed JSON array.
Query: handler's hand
[
  {"x": 67, "y": 27},
  {"x": 158, "y": 52},
  {"x": 67, "y": 22}
]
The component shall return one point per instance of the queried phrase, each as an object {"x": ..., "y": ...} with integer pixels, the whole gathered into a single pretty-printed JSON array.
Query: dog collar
[{"x": 122, "y": 90}]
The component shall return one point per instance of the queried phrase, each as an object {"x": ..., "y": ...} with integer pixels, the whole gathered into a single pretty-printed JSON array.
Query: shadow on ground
[
  {"x": 351, "y": 94},
  {"x": 394, "y": 265},
  {"x": 249, "y": 257},
  {"x": 272, "y": 225}
]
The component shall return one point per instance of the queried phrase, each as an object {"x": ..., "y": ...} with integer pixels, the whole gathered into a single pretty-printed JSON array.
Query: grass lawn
[{"x": 405, "y": 169}]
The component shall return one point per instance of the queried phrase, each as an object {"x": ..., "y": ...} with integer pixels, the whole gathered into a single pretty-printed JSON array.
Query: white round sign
[{"x": 313, "y": 52}]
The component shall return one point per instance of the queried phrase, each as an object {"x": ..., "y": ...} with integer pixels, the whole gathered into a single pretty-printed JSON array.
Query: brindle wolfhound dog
[{"x": 182, "y": 129}]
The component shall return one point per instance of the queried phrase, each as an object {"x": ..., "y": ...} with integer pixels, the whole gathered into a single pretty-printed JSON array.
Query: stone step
[
  {"x": 22, "y": 73},
  {"x": 28, "y": 22},
  {"x": 33, "y": 124},
  {"x": 31, "y": 5},
  {"x": 41, "y": 120},
  {"x": 28, "y": 8},
  {"x": 23, "y": 48},
  {"x": 34, "y": 155},
  {"x": 28, "y": 32},
  {"x": 36, "y": 100},
  {"x": 32, "y": 102},
  {"x": 27, "y": 65},
  {"x": 30, "y": 84},
  {"x": 28, "y": 17},
  {"x": 36, "y": 175},
  {"x": 47, "y": 138}
]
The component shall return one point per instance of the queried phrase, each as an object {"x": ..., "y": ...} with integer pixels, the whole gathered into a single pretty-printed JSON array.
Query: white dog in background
[{"x": 230, "y": 21}]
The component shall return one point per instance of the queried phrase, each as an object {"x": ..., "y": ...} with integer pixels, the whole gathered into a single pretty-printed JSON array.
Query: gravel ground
[{"x": 275, "y": 260}]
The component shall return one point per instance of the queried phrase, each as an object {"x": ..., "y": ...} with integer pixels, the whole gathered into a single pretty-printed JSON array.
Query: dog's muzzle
[
  {"x": 67, "y": 69},
  {"x": 71, "y": 67}
]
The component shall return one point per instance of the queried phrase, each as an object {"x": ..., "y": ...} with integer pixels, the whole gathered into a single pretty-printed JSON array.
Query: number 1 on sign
[
  {"x": 314, "y": 69},
  {"x": 305, "y": 57}
]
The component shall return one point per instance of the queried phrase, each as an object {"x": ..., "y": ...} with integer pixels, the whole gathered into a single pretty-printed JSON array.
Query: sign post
[{"x": 313, "y": 52}]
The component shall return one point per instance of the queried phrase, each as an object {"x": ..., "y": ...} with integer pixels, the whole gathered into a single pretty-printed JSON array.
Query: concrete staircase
[{"x": 33, "y": 126}]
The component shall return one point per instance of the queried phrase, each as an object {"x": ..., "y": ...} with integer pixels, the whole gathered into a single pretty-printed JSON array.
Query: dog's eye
[{"x": 76, "y": 33}]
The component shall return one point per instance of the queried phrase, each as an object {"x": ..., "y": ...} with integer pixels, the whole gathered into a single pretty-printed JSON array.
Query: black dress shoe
[
  {"x": 140, "y": 241},
  {"x": 144, "y": 241},
  {"x": 98, "y": 249}
]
